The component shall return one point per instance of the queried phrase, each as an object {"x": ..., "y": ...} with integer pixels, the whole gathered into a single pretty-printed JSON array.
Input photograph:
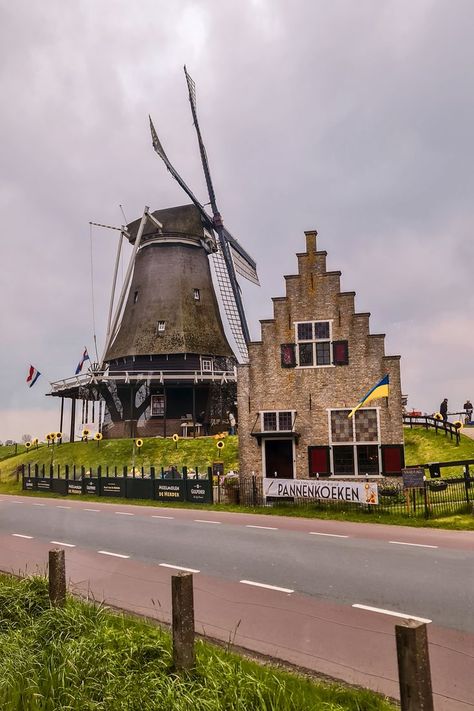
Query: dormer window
[
  {"x": 161, "y": 326},
  {"x": 197, "y": 295}
]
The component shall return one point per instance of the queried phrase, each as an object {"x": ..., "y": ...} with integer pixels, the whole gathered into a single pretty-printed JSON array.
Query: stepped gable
[{"x": 314, "y": 356}]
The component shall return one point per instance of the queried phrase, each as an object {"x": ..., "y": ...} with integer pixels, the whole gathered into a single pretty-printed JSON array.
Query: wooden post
[
  {"x": 57, "y": 577},
  {"x": 183, "y": 621},
  {"x": 414, "y": 667}
]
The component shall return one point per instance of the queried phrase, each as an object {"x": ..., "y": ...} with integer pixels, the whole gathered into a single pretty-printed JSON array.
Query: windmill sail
[
  {"x": 228, "y": 302},
  {"x": 224, "y": 243}
]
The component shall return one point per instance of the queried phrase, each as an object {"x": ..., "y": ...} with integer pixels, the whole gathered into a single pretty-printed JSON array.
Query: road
[{"x": 324, "y": 595}]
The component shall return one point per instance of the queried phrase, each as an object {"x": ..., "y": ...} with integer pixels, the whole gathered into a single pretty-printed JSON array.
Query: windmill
[
  {"x": 167, "y": 366},
  {"x": 230, "y": 257}
]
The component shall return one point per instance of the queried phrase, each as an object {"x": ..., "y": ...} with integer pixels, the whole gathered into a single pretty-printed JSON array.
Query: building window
[
  {"x": 313, "y": 343},
  {"x": 157, "y": 405},
  {"x": 277, "y": 421},
  {"x": 161, "y": 325},
  {"x": 206, "y": 365},
  {"x": 197, "y": 295},
  {"x": 355, "y": 442}
]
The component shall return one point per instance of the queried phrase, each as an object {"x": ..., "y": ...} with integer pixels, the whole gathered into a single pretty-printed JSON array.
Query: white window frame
[
  {"x": 197, "y": 294},
  {"x": 161, "y": 326},
  {"x": 277, "y": 412},
  {"x": 207, "y": 365},
  {"x": 162, "y": 399},
  {"x": 373, "y": 443},
  {"x": 313, "y": 341}
]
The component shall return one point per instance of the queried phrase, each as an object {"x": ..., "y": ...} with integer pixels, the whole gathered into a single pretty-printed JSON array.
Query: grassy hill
[
  {"x": 421, "y": 446},
  {"x": 199, "y": 452}
]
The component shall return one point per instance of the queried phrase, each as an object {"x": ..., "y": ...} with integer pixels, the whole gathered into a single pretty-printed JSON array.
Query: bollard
[
  {"x": 57, "y": 577},
  {"x": 182, "y": 603},
  {"x": 414, "y": 667}
]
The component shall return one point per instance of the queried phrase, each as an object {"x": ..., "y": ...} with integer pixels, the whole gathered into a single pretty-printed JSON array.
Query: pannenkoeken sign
[{"x": 356, "y": 492}]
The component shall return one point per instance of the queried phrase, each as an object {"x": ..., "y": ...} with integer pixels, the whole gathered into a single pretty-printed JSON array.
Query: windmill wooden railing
[{"x": 197, "y": 376}]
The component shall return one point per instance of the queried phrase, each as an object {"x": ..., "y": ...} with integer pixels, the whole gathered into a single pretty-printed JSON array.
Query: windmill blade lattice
[{"x": 228, "y": 302}]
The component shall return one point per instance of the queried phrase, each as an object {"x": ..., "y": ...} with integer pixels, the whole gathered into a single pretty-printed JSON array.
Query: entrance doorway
[{"x": 278, "y": 458}]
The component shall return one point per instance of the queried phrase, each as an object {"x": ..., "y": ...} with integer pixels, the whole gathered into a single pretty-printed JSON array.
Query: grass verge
[{"x": 83, "y": 657}]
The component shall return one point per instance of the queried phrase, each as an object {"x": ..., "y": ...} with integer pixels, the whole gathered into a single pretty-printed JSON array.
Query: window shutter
[
  {"x": 319, "y": 462},
  {"x": 288, "y": 355},
  {"x": 393, "y": 458},
  {"x": 340, "y": 352}
]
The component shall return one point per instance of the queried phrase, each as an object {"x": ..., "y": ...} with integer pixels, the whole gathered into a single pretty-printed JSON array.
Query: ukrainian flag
[{"x": 382, "y": 389}]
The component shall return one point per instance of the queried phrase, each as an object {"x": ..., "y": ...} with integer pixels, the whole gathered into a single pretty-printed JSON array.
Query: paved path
[{"x": 277, "y": 585}]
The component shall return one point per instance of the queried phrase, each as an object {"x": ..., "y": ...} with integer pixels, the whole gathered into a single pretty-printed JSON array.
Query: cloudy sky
[{"x": 354, "y": 118}]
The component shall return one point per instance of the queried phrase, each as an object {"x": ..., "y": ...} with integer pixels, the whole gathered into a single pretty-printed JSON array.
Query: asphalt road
[{"x": 276, "y": 584}]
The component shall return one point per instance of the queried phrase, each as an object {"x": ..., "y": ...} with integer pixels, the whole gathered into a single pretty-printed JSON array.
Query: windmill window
[
  {"x": 161, "y": 326},
  {"x": 197, "y": 295},
  {"x": 135, "y": 297},
  {"x": 206, "y": 365}
]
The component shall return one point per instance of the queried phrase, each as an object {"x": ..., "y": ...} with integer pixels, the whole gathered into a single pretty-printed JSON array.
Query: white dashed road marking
[
  {"x": 60, "y": 543},
  {"x": 124, "y": 513},
  {"x": 381, "y": 611},
  {"x": 268, "y": 528},
  {"x": 21, "y": 535},
  {"x": 116, "y": 555},
  {"x": 178, "y": 567},
  {"x": 154, "y": 516},
  {"x": 331, "y": 535},
  {"x": 264, "y": 585},
  {"x": 63, "y": 507},
  {"x": 95, "y": 510},
  {"x": 203, "y": 520},
  {"x": 417, "y": 545},
  {"x": 39, "y": 504}
]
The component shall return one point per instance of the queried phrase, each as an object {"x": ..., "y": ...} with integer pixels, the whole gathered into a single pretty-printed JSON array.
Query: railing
[
  {"x": 155, "y": 376},
  {"x": 429, "y": 422}
]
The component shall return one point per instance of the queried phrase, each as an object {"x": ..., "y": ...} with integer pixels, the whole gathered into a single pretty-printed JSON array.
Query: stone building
[{"x": 314, "y": 362}]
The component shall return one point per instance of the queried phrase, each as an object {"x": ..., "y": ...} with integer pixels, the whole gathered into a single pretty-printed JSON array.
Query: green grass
[
  {"x": 157, "y": 452},
  {"x": 82, "y": 657},
  {"x": 9, "y": 451},
  {"x": 423, "y": 446}
]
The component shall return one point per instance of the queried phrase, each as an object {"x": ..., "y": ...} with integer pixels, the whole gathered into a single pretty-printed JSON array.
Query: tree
[{"x": 26, "y": 438}]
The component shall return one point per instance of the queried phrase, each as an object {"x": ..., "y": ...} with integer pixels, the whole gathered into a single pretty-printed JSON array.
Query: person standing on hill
[
  {"x": 443, "y": 409},
  {"x": 468, "y": 408}
]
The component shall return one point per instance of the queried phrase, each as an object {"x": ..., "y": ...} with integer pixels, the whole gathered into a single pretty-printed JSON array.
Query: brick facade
[{"x": 312, "y": 295}]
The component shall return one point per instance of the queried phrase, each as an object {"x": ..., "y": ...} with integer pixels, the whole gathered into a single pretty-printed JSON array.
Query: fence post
[
  {"x": 467, "y": 483},
  {"x": 182, "y": 602},
  {"x": 254, "y": 490},
  {"x": 414, "y": 672},
  {"x": 57, "y": 577},
  {"x": 211, "y": 482}
]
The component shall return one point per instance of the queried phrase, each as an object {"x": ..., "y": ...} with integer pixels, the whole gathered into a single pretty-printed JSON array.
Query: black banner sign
[
  {"x": 113, "y": 486},
  {"x": 413, "y": 478},
  {"x": 199, "y": 491},
  {"x": 74, "y": 487},
  {"x": 170, "y": 490}
]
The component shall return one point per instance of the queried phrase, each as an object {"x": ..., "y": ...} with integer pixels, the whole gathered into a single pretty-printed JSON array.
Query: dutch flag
[
  {"x": 33, "y": 375},
  {"x": 85, "y": 356}
]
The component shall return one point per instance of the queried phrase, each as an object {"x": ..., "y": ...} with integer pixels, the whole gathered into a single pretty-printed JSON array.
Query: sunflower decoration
[
  {"x": 457, "y": 424},
  {"x": 220, "y": 444},
  {"x": 48, "y": 438},
  {"x": 138, "y": 443},
  {"x": 27, "y": 445},
  {"x": 85, "y": 434},
  {"x": 35, "y": 442},
  {"x": 98, "y": 436},
  {"x": 59, "y": 435},
  {"x": 438, "y": 416}
]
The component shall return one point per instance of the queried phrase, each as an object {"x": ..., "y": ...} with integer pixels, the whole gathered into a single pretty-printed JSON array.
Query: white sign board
[{"x": 356, "y": 492}]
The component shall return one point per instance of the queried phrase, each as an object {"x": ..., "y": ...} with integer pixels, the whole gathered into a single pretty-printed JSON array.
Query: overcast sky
[{"x": 354, "y": 118}]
